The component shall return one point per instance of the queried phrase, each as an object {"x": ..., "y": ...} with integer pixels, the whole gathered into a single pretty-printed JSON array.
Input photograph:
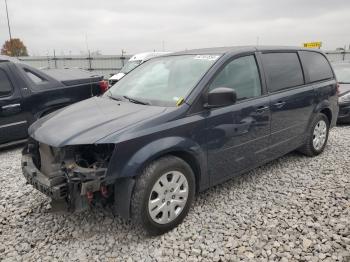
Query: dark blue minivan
[{"x": 179, "y": 124}]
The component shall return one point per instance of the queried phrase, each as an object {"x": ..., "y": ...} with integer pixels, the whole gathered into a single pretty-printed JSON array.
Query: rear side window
[
  {"x": 316, "y": 65},
  {"x": 283, "y": 70},
  {"x": 36, "y": 79},
  {"x": 5, "y": 85}
]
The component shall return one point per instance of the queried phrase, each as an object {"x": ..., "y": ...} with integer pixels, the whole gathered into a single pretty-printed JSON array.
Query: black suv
[
  {"x": 179, "y": 124},
  {"x": 27, "y": 93}
]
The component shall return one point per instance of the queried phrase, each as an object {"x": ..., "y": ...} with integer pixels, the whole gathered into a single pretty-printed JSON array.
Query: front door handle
[
  {"x": 261, "y": 109},
  {"x": 279, "y": 104},
  {"x": 10, "y": 106}
]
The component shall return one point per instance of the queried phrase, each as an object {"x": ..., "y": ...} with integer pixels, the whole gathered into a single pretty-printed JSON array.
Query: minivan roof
[{"x": 239, "y": 49}]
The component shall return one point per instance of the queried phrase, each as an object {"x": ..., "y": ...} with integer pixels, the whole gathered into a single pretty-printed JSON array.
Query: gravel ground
[{"x": 292, "y": 209}]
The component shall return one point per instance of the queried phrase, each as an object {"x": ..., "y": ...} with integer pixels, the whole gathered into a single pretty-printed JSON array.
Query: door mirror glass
[{"x": 221, "y": 96}]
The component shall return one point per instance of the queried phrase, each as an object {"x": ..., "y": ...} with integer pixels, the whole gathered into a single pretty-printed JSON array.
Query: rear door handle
[
  {"x": 279, "y": 104},
  {"x": 262, "y": 109}
]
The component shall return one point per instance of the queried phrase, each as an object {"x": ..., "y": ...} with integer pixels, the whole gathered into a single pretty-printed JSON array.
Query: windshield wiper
[
  {"x": 136, "y": 101},
  {"x": 343, "y": 82}
]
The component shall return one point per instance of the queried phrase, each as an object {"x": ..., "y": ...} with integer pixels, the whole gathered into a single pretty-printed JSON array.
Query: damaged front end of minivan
[{"x": 74, "y": 175}]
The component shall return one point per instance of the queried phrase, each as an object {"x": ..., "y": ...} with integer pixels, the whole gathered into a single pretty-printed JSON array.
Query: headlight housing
[{"x": 344, "y": 98}]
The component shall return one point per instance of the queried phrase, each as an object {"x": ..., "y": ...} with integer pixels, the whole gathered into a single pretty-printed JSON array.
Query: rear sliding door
[{"x": 291, "y": 101}]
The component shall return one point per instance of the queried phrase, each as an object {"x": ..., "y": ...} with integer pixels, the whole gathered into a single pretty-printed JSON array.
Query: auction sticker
[{"x": 207, "y": 57}]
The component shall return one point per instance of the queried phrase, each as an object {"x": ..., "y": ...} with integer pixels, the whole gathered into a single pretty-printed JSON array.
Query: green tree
[{"x": 14, "y": 47}]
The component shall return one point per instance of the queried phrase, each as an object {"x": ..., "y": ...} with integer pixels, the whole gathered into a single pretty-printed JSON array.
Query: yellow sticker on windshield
[{"x": 180, "y": 101}]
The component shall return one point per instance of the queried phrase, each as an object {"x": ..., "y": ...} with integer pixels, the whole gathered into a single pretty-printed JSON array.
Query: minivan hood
[{"x": 90, "y": 120}]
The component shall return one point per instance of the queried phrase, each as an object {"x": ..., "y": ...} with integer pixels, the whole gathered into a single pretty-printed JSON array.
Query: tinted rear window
[
  {"x": 316, "y": 65},
  {"x": 35, "y": 78},
  {"x": 5, "y": 85},
  {"x": 283, "y": 70}
]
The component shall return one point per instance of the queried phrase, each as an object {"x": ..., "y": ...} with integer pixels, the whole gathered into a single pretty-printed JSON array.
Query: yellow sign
[{"x": 313, "y": 45}]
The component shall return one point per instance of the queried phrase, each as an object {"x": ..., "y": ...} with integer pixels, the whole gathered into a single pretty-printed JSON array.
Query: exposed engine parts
[{"x": 76, "y": 172}]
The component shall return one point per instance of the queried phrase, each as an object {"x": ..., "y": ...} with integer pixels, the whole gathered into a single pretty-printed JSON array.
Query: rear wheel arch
[
  {"x": 328, "y": 113},
  {"x": 323, "y": 108}
]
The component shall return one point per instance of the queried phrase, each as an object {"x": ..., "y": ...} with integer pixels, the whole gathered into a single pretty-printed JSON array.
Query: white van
[{"x": 133, "y": 62}]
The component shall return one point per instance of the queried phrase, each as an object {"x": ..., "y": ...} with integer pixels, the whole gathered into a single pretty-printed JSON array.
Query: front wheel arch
[
  {"x": 139, "y": 205},
  {"x": 124, "y": 187}
]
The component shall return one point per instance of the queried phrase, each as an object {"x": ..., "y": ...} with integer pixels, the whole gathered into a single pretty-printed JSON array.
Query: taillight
[{"x": 103, "y": 86}]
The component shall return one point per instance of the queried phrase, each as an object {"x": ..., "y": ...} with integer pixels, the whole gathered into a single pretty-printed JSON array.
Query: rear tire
[
  {"x": 317, "y": 136},
  {"x": 162, "y": 195}
]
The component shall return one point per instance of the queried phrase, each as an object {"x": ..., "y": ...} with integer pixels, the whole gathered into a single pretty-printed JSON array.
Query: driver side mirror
[{"x": 220, "y": 97}]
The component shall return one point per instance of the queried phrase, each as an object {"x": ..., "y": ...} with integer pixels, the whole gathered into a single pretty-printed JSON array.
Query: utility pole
[
  {"x": 122, "y": 58},
  {"x": 8, "y": 20},
  {"x": 8, "y": 25}
]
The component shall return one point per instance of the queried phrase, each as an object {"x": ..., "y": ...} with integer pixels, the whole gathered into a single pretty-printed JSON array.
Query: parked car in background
[
  {"x": 179, "y": 124},
  {"x": 133, "y": 62},
  {"x": 342, "y": 72},
  {"x": 26, "y": 94}
]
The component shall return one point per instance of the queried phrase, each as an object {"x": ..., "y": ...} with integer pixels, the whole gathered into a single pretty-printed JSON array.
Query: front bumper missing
[
  {"x": 74, "y": 186},
  {"x": 56, "y": 187}
]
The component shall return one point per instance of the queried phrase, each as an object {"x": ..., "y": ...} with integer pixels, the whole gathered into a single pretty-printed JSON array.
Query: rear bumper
[{"x": 56, "y": 188}]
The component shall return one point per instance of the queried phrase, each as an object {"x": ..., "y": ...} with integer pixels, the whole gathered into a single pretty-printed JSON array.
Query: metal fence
[
  {"x": 108, "y": 65},
  {"x": 340, "y": 55},
  {"x": 105, "y": 65}
]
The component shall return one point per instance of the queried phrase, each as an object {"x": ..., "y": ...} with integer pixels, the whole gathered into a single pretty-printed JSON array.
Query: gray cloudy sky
[{"x": 137, "y": 26}]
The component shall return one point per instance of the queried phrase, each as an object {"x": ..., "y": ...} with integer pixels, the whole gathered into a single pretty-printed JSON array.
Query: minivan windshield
[
  {"x": 163, "y": 81},
  {"x": 342, "y": 71}
]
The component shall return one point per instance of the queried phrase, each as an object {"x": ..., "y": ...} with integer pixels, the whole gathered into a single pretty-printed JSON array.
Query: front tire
[
  {"x": 317, "y": 136},
  {"x": 163, "y": 194}
]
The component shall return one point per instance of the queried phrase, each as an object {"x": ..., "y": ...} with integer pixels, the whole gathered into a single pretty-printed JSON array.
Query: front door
[
  {"x": 13, "y": 124},
  {"x": 238, "y": 135}
]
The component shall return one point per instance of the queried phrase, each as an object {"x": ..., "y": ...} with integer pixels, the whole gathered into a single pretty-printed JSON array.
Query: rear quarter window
[
  {"x": 283, "y": 70},
  {"x": 5, "y": 85},
  {"x": 316, "y": 66},
  {"x": 35, "y": 78}
]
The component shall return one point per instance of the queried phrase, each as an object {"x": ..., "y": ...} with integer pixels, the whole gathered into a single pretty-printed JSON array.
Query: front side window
[
  {"x": 283, "y": 70},
  {"x": 242, "y": 75},
  {"x": 5, "y": 85},
  {"x": 316, "y": 65},
  {"x": 163, "y": 81}
]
